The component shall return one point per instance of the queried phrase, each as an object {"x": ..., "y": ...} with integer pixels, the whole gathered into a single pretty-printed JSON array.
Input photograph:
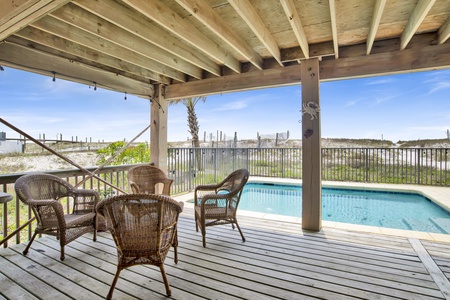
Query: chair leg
[
  {"x": 203, "y": 229},
  {"x": 29, "y": 244},
  {"x": 113, "y": 284},
  {"x": 166, "y": 282},
  {"x": 62, "y": 257},
  {"x": 175, "y": 247},
  {"x": 95, "y": 233},
  {"x": 240, "y": 231},
  {"x": 204, "y": 241}
]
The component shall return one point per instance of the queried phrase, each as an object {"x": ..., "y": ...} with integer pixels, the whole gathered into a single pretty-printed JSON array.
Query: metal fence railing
[{"x": 424, "y": 166}]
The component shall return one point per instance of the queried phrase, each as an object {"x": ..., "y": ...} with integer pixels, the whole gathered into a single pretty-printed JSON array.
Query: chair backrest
[
  {"x": 145, "y": 179},
  {"x": 141, "y": 222},
  {"x": 40, "y": 186},
  {"x": 235, "y": 182}
]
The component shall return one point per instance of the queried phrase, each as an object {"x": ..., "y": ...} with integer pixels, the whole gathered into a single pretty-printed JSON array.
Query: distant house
[{"x": 14, "y": 146}]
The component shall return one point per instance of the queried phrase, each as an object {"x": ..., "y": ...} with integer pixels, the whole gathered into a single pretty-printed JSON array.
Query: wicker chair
[
  {"x": 217, "y": 204},
  {"x": 145, "y": 238},
  {"x": 43, "y": 192},
  {"x": 144, "y": 179}
]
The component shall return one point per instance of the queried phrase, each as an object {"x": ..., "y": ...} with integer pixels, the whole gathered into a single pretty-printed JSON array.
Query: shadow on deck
[{"x": 278, "y": 261}]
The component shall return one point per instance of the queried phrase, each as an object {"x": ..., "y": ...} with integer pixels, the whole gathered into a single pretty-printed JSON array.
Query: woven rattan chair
[
  {"x": 144, "y": 179},
  {"x": 217, "y": 204},
  {"x": 43, "y": 193},
  {"x": 143, "y": 238}
]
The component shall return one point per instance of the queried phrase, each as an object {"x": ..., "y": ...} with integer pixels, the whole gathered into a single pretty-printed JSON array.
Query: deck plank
[
  {"x": 337, "y": 280},
  {"x": 277, "y": 261}
]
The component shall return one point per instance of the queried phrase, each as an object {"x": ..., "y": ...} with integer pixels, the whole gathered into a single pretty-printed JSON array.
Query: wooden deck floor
[{"x": 278, "y": 261}]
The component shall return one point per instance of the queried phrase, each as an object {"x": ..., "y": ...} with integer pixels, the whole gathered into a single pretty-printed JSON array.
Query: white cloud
[
  {"x": 439, "y": 86},
  {"x": 381, "y": 81},
  {"x": 235, "y": 105}
]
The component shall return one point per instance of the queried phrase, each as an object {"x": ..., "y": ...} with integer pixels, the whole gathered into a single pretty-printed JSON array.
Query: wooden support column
[
  {"x": 311, "y": 146},
  {"x": 158, "y": 130}
]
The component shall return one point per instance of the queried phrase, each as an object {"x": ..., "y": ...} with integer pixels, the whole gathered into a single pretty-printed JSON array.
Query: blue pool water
[{"x": 407, "y": 211}]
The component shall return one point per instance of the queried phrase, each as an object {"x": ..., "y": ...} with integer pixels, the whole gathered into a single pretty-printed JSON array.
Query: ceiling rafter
[
  {"x": 123, "y": 17},
  {"x": 76, "y": 35},
  {"x": 60, "y": 44},
  {"x": 77, "y": 17},
  {"x": 29, "y": 47},
  {"x": 25, "y": 14},
  {"x": 248, "y": 13},
  {"x": 171, "y": 21},
  {"x": 334, "y": 28},
  {"x": 444, "y": 32},
  {"x": 419, "y": 13},
  {"x": 214, "y": 22},
  {"x": 35, "y": 60},
  {"x": 296, "y": 24},
  {"x": 376, "y": 18}
]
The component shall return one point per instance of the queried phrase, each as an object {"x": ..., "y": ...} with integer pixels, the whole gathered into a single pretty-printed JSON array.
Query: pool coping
[{"x": 439, "y": 195}]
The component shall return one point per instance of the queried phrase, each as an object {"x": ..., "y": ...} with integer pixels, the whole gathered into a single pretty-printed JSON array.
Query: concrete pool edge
[{"x": 439, "y": 195}]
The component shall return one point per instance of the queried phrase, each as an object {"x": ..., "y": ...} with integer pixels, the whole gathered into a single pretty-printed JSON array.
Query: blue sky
[{"x": 401, "y": 107}]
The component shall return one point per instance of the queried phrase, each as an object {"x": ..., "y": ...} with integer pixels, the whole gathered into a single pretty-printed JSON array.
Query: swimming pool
[{"x": 408, "y": 211}]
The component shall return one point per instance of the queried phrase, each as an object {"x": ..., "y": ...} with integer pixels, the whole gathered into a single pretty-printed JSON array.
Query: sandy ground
[{"x": 46, "y": 162}]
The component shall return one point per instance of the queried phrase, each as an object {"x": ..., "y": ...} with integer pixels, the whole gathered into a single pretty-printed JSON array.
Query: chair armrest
[
  {"x": 181, "y": 205},
  {"x": 55, "y": 205},
  {"x": 86, "y": 192},
  {"x": 134, "y": 188},
  {"x": 207, "y": 187},
  {"x": 48, "y": 202}
]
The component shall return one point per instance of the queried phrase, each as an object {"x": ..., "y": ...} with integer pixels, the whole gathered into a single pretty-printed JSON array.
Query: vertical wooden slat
[{"x": 312, "y": 179}]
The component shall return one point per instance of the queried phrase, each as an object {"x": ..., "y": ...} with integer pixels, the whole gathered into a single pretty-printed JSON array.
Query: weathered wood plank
[
  {"x": 56, "y": 274},
  {"x": 433, "y": 269},
  {"x": 9, "y": 289},
  {"x": 101, "y": 266},
  {"x": 335, "y": 270},
  {"x": 33, "y": 284}
]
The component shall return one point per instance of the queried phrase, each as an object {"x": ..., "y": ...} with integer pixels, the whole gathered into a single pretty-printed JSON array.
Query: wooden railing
[{"x": 191, "y": 167}]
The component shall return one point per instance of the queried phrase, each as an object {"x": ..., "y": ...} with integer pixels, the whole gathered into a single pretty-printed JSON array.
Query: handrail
[{"x": 6, "y": 238}]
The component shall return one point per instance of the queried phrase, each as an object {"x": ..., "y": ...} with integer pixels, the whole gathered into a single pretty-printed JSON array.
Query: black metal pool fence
[{"x": 423, "y": 166}]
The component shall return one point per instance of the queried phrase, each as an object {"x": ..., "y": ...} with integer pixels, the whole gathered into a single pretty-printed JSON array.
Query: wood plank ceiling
[{"x": 201, "y": 47}]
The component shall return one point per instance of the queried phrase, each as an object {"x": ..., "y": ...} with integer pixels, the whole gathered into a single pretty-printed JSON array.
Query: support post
[
  {"x": 158, "y": 129},
  {"x": 311, "y": 146}
]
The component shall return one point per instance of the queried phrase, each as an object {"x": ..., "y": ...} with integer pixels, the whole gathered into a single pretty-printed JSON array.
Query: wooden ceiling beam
[
  {"x": 19, "y": 14},
  {"x": 204, "y": 13},
  {"x": 417, "y": 58},
  {"x": 76, "y": 35},
  {"x": 248, "y": 13},
  {"x": 140, "y": 26},
  {"x": 419, "y": 13},
  {"x": 315, "y": 50},
  {"x": 296, "y": 24},
  {"x": 37, "y": 36},
  {"x": 334, "y": 28},
  {"x": 160, "y": 13},
  {"x": 82, "y": 19},
  {"x": 33, "y": 60},
  {"x": 376, "y": 17}
]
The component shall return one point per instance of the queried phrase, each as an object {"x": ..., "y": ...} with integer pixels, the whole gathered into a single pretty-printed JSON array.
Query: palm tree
[
  {"x": 192, "y": 116},
  {"x": 192, "y": 122}
]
